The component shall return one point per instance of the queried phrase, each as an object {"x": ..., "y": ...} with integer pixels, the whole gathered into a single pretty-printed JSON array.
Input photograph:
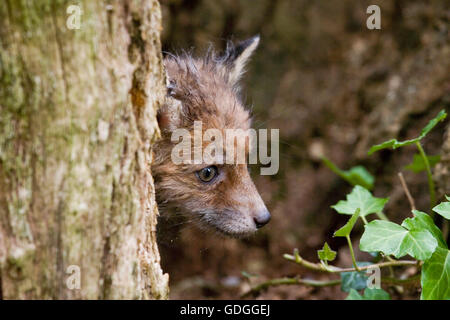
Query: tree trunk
[{"x": 77, "y": 121}]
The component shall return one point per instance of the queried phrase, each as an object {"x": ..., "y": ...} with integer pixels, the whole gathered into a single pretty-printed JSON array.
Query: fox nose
[{"x": 262, "y": 218}]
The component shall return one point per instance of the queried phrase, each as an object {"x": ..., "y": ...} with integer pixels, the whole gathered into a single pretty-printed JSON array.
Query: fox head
[{"x": 218, "y": 196}]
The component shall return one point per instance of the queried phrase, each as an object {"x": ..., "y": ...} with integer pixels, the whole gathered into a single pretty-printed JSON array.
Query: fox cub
[{"x": 219, "y": 197}]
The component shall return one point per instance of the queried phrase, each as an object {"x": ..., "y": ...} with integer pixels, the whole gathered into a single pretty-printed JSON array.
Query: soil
[{"x": 333, "y": 88}]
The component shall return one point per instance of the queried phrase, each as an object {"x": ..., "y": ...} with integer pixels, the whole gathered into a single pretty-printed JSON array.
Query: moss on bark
[{"x": 75, "y": 183}]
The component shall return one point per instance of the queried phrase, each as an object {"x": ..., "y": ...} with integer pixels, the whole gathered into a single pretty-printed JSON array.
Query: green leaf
[
  {"x": 360, "y": 198},
  {"x": 418, "y": 165},
  {"x": 354, "y": 280},
  {"x": 326, "y": 254},
  {"x": 355, "y": 176},
  {"x": 394, "y": 144},
  {"x": 435, "y": 278},
  {"x": 354, "y": 295},
  {"x": 391, "y": 238},
  {"x": 433, "y": 122},
  {"x": 347, "y": 228},
  {"x": 369, "y": 294},
  {"x": 443, "y": 208},
  {"x": 360, "y": 176},
  {"x": 376, "y": 294},
  {"x": 423, "y": 221}
]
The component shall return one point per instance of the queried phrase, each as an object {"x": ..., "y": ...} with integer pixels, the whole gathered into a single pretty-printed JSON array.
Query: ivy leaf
[
  {"x": 433, "y": 122},
  {"x": 435, "y": 278},
  {"x": 360, "y": 176},
  {"x": 347, "y": 228},
  {"x": 376, "y": 294},
  {"x": 418, "y": 165},
  {"x": 356, "y": 280},
  {"x": 391, "y": 238},
  {"x": 326, "y": 254},
  {"x": 354, "y": 295},
  {"x": 369, "y": 294},
  {"x": 360, "y": 198},
  {"x": 394, "y": 144},
  {"x": 355, "y": 176},
  {"x": 443, "y": 208},
  {"x": 423, "y": 221}
]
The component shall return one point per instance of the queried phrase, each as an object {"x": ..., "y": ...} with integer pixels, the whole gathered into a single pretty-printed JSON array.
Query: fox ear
[
  {"x": 169, "y": 114},
  {"x": 238, "y": 56}
]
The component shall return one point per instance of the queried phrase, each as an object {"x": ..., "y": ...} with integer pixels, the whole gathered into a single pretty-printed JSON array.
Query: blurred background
[{"x": 333, "y": 88}]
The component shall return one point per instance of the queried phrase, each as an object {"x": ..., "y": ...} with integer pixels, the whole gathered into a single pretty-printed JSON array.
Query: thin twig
[
  {"x": 317, "y": 283},
  {"x": 352, "y": 253},
  {"x": 405, "y": 188},
  {"x": 364, "y": 219},
  {"x": 332, "y": 269},
  {"x": 382, "y": 216}
]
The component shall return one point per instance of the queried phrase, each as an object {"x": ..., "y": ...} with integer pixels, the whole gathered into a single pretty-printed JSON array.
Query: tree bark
[{"x": 77, "y": 122}]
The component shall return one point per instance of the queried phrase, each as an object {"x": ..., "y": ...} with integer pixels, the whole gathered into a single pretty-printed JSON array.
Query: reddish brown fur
[{"x": 203, "y": 90}]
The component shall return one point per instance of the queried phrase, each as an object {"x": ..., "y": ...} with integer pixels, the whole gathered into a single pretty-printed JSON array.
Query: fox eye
[{"x": 207, "y": 174}]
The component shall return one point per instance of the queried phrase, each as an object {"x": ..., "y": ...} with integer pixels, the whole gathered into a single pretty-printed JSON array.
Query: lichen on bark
[{"x": 75, "y": 149}]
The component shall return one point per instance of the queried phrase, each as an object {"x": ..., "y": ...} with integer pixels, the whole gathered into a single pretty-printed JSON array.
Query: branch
[
  {"x": 316, "y": 283},
  {"x": 332, "y": 269},
  {"x": 405, "y": 188},
  {"x": 352, "y": 253},
  {"x": 289, "y": 281}
]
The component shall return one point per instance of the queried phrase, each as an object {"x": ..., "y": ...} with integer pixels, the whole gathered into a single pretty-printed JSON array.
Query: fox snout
[
  {"x": 262, "y": 218},
  {"x": 240, "y": 210}
]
